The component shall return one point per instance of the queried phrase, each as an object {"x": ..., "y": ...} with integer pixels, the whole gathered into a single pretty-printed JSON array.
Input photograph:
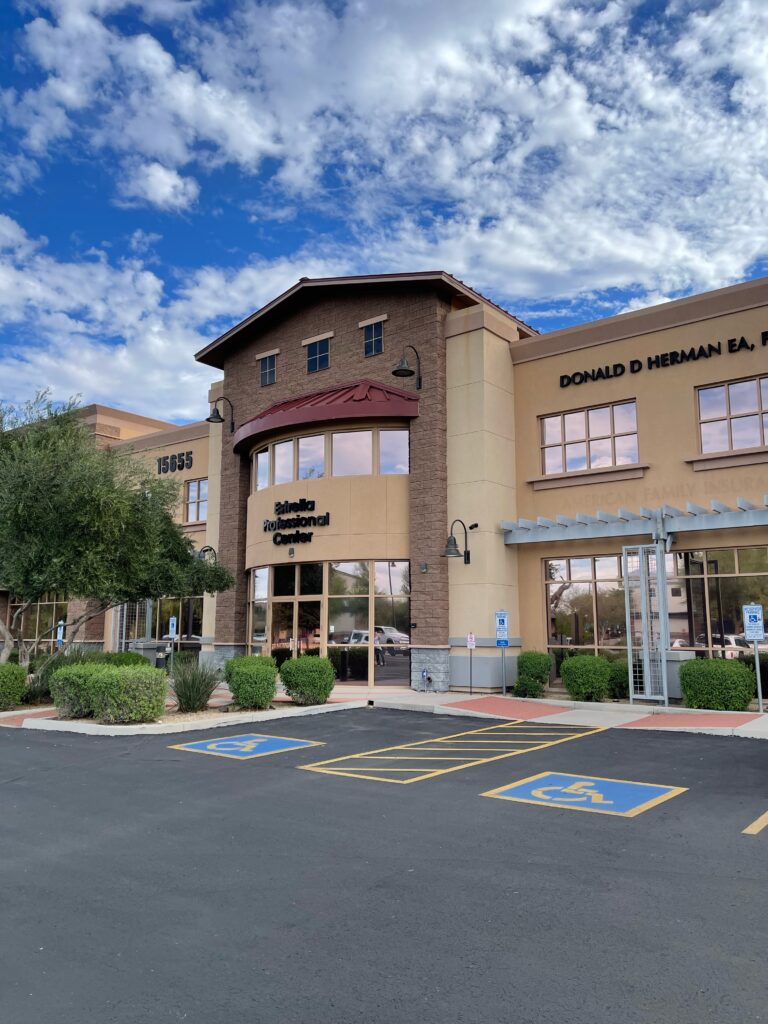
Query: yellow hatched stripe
[{"x": 757, "y": 826}]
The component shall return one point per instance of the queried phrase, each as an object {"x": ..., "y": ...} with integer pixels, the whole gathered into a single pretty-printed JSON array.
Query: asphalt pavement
[{"x": 142, "y": 883}]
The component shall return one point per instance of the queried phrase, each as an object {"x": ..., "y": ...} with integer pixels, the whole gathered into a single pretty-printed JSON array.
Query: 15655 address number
[{"x": 174, "y": 463}]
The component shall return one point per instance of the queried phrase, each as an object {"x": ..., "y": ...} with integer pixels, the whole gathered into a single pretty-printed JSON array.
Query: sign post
[
  {"x": 502, "y": 641},
  {"x": 471, "y": 643},
  {"x": 754, "y": 630},
  {"x": 172, "y": 633}
]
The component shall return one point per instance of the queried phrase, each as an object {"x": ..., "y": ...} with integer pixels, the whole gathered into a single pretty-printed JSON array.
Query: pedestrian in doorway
[{"x": 378, "y": 653}]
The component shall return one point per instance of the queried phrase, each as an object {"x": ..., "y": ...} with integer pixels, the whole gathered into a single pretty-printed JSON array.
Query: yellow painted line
[
  {"x": 757, "y": 826},
  {"x": 345, "y": 766}
]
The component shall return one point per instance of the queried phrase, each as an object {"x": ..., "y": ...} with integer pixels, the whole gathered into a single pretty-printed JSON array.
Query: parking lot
[{"x": 385, "y": 881}]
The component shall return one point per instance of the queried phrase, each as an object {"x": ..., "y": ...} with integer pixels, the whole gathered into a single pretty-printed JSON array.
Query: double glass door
[{"x": 295, "y": 626}]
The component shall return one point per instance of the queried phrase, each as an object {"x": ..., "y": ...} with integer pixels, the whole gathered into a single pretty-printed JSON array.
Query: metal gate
[
  {"x": 645, "y": 596},
  {"x": 132, "y": 622}
]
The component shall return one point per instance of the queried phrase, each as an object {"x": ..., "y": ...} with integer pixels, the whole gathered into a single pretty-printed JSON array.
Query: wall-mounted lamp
[
  {"x": 423, "y": 566},
  {"x": 207, "y": 554},
  {"x": 216, "y": 416},
  {"x": 451, "y": 545},
  {"x": 403, "y": 369}
]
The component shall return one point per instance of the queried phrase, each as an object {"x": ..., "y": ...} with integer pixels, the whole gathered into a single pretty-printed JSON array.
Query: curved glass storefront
[{"x": 357, "y": 613}]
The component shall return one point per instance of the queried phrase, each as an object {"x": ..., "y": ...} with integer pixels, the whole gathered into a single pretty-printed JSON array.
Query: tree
[{"x": 87, "y": 521}]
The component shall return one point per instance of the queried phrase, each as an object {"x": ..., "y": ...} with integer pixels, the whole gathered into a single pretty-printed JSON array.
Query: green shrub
[
  {"x": 13, "y": 683},
  {"x": 72, "y": 688},
  {"x": 252, "y": 679},
  {"x": 533, "y": 672},
  {"x": 121, "y": 659},
  {"x": 717, "y": 683},
  {"x": 618, "y": 684},
  {"x": 193, "y": 685},
  {"x": 133, "y": 694},
  {"x": 13, "y": 658},
  {"x": 586, "y": 677},
  {"x": 181, "y": 658},
  {"x": 349, "y": 662},
  {"x": 308, "y": 680},
  {"x": 749, "y": 661}
]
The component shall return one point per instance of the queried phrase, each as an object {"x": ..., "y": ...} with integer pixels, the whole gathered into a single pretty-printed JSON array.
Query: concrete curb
[{"x": 163, "y": 728}]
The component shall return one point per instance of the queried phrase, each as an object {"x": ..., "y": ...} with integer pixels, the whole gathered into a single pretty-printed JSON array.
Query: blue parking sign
[
  {"x": 587, "y": 793},
  {"x": 245, "y": 747}
]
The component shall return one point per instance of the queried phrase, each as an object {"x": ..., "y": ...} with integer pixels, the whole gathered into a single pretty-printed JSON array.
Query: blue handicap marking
[
  {"x": 245, "y": 747},
  {"x": 587, "y": 793}
]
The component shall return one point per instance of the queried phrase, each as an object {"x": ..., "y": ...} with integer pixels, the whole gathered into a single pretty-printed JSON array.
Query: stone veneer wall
[{"x": 416, "y": 316}]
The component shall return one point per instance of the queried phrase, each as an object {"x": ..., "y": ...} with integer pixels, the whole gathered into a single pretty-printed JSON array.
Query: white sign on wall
[{"x": 471, "y": 642}]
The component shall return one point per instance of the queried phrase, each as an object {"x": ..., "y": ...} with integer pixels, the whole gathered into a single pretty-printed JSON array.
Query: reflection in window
[
  {"x": 262, "y": 469},
  {"x": 312, "y": 457},
  {"x": 353, "y": 453},
  {"x": 318, "y": 355},
  {"x": 734, "y": 416},
  {"x": 392, "y": 578},
  {"x": 571, "y": 614},
  {"x": 260, "y": 582},
  {"x": 348, "y": 578},
  {"x": 283, "y": 580},
  {"x": 283, "y": 454},
  {"x": 311, "y": 578},
  {"x": 596, "y": 438},
  {"x": 348, "y": 620},
  {"x": 393, "y": 451},
  {"x": 373, "y": 344},
  {"x": 268, "y": 370}
]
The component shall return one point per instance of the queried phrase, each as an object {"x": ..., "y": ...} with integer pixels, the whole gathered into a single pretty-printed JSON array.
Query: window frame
[
  {"x": 373, "y": 343},
  {"x": 196, "y": 502},
  {"x": 268, "y": 368},
  {"x": 761, "y": 413},
  {"x": 562, "y": 445},
  {"x": 314, "y": 354}
]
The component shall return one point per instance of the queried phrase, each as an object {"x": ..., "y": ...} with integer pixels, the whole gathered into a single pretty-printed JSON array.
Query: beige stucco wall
[
  {"x": 668, "y": 435},
  {"x": 369, "y": 519},
  {"x": 481, "y": 395}
]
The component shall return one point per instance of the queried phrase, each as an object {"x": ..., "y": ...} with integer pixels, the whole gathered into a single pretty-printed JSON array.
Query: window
[
  {"x": 353, "y": 453},
  {"x": 312, "y": 457},
  {"x": 597, "y": 438},
  {"x": 373, "y": 344},
  {"x": 393, "y": 451},
  {"x": 318, "y": 355},
  {"x": 41, "y": 619},
  {"x": 268, "y": 369},
  {"x": 734, "y": 416},
  {"x": 284, "y": 462},
  {"x": 261, "y": 470},
  {"x": 196, "y": 501}
]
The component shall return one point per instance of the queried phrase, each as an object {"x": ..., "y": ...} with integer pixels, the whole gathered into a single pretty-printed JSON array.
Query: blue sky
[{"x": 167, "y": 166}]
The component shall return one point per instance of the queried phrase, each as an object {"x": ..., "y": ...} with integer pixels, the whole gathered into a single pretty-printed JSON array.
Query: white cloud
[
  {"x": 541, "y": 150},
  {"x": 160, "y": 186},
  {"x": 115, "y": 332}
]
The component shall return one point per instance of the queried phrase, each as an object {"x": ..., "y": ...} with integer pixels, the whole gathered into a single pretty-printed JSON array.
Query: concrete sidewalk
[{"x": 563, "y": 712}]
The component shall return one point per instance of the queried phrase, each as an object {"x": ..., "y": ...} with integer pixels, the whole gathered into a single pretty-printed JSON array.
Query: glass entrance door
[
  {"x": 282, "y": 632},
  {"x": 308, "y": 627}
]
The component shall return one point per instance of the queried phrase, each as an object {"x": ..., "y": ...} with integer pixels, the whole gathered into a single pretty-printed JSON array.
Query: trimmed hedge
[
  {"x": 717, "y": 684},
  {"x": 109, "y": 693},
  {"x": 129, "y": 694},
  {"x": 349, "y": 662},
  {"x": 13, "y": 683},
  {"x": 619, "y": 680},
  {"x": 252, "y": 678},
  {"x": 308, "y": 680},
  {"x": 72, "y": 688},
  {"x": 586, "y": 677},
  {"x": 533, "y": 672}
]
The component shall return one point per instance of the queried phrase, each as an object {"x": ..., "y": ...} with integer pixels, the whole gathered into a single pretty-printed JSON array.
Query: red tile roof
[{"x": 361, "y": 400}]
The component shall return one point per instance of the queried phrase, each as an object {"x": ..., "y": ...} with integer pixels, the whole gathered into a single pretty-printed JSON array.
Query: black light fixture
[
  {"x": 216, "y": 416},
  {"x": 451, "y": 545},
  {"x": 404, "y": 370},
  {"x": 207, "y": 554}
]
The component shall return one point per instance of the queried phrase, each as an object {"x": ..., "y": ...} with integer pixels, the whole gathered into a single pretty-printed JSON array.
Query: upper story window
[
  {"x": 734, "y": 416},
  {"x": 196, "y": 501},
  {"x": 596, "y": 438},
  {"x": 383, "y": 452},
  {"x": 268, "y": 369},
  {"x": 373, "y": 334},
  {"x": 318, "y": 355}
]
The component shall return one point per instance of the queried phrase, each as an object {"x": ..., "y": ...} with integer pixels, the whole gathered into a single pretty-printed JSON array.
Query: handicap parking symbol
[
  {"x": 245, "y": 747},
  {"x": 587, "y": 793}
]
